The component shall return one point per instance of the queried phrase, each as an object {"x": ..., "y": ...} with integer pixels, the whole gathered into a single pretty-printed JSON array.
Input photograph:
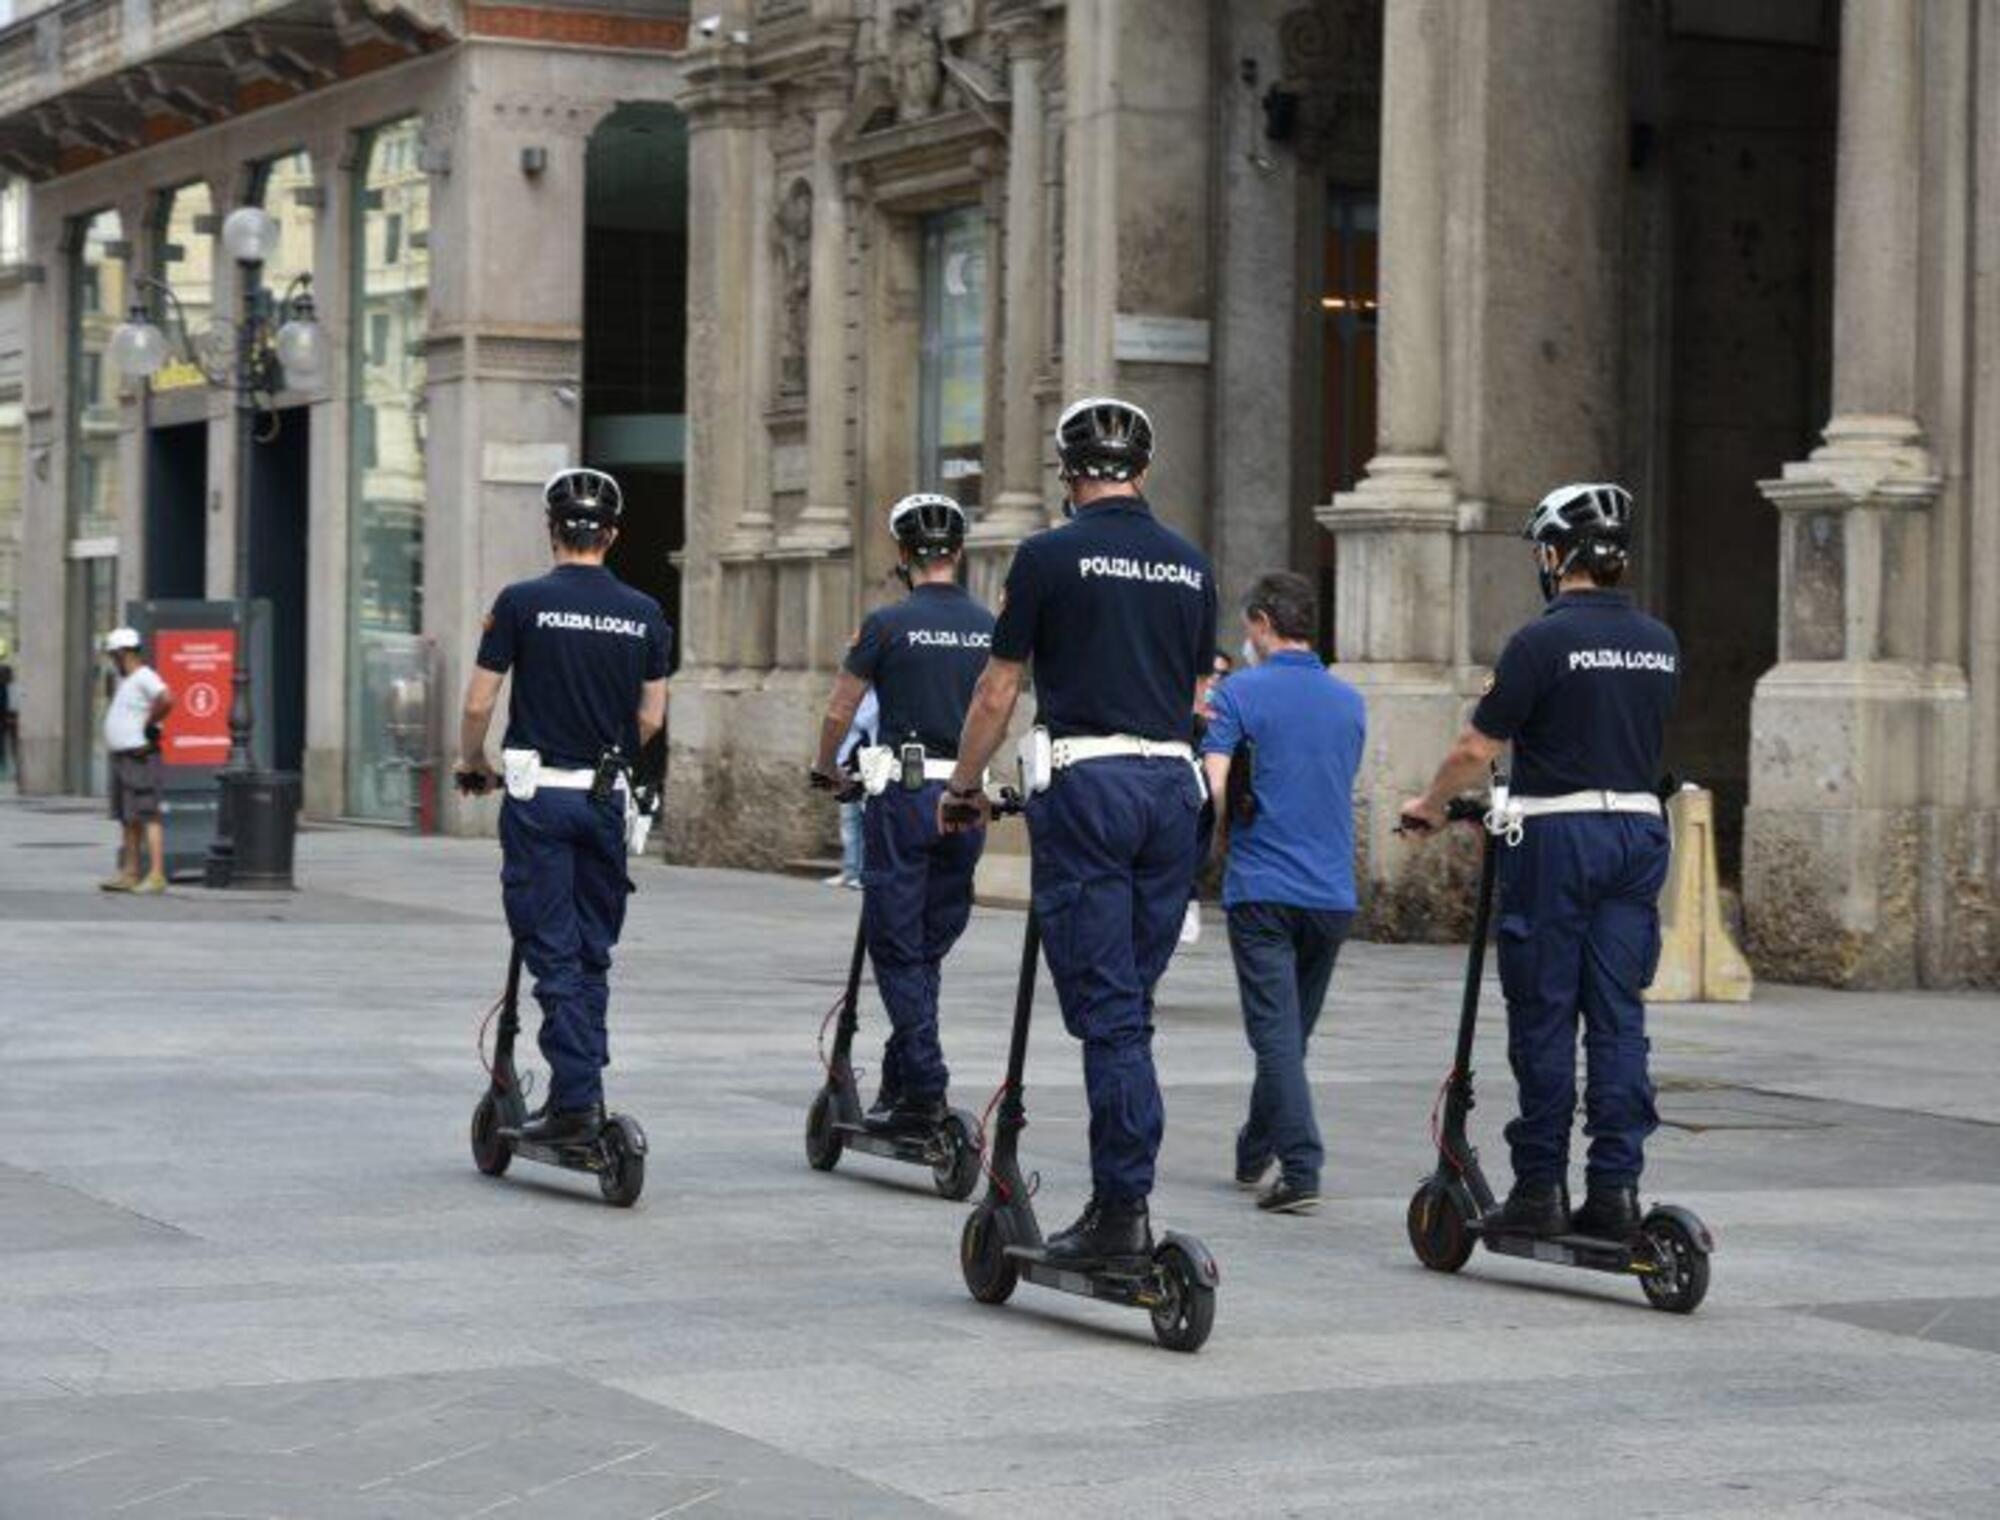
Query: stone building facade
[
  {"x": 1384, "y": 271},
  {"x": 441, "y": 172}
]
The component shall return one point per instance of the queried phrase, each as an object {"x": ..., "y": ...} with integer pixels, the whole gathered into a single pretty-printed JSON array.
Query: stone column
[
  {"x": 814, "y": 556},
  {"x": 1397, "y": 609},
  {"x": 727, "y": 598},
  {"x": 1846, "y": 730},
  {"x": 1018, "y": 509}
]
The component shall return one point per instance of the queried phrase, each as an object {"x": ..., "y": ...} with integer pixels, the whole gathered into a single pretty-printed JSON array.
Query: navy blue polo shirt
[
  {"x": 923, "y": 656},
  {"x": 1309, "y": 728},
  {"x": 580, "y": 643},
  {"x": 1584, "y": 693},
  {"x": 1117, "y": 611}
]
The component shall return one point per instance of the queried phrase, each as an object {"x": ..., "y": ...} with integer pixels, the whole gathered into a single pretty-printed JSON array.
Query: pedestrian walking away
[
  {"x": 588, "y": 656},
  {"x": 1283, "y": 742},
  {"x": 1116, "y": 612},
  {"x": 921, "y": 658},
  {"x": 1583, "y": 694},
  {"x": 132, "y": 725}
]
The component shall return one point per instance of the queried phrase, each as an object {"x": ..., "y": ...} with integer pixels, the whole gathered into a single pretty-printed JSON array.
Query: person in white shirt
[{"x": 132, "y": 733}]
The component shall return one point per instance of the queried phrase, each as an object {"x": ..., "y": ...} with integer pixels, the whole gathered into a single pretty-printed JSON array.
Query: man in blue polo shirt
[{"x": 1289, "y": 889}]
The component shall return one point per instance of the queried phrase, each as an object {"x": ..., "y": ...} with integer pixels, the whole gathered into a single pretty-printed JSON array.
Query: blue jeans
[
  {"x": 852, "y": 856},
  {"x": 563, "y": 882},
  {"x": 916, "y": 898},
  {"x": 1580, "y": 934},
  {"x": 1284, "y": 958},
  {"x": 1113, "y": 861}
]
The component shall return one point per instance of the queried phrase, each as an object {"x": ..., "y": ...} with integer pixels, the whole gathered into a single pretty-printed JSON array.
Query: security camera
[
  {"x": 708, "y": 26},
  {"x": 568, "y": 395}
]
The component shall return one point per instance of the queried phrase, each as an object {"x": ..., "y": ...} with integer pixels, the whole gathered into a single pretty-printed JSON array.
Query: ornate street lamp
[{"x": 272, "y": 344}]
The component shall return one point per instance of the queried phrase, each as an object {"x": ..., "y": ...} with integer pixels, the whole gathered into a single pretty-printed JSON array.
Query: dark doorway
[
  {"x": 176, "y": 512},
  {"x": 279, "y": 491},
  {"x": 1347, "y": 298},
  {"x": 1749, "y": 140},
  {"x": 635, "y": 337}
]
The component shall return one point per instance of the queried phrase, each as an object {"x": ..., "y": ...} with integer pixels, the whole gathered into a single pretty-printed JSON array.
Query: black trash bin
[{"x": 264, "y": 812}]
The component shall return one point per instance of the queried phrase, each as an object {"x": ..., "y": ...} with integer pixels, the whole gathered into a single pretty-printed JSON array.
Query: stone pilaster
[
  {"x": 1019, "y": 509},
  {"x": 814, "y": 556},
  {"x": 1849, "y": 728},
  {"x": 1396, "y": 612}
]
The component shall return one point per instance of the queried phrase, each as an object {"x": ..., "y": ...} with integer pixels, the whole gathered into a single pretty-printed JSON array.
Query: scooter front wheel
[
  {"x": 491, "y": 1151},
  {"x": 990, "y": 1273},
  {"x": 822, "y": 1139},
  {"x": 1185, "y": 1312},
  {"x": 1440, "y": 1233},
  {"x": 956, "y": 1171},
  {"x": 1678, "y": 1281},
  {"x": 624, "y": 1176}
]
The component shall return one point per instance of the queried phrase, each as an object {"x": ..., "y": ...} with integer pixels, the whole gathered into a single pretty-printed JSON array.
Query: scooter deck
[
  {"x": 1593, "y": 1252},
  {"x": 575, "y": 1156},
  {"x": 1117, "y": 1282},
  {"x": 919, "y": 1146}
]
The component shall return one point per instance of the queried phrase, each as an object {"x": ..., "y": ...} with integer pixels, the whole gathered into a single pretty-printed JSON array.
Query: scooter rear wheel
[
  {"x": 1186, "y": 1312},
  {"x": 624, "y": 1176},
  {"x": 1440, "y": 1233},
  {"x": 1680, "y": 1280},
  {"x": 956, "y": 1172},
  {"x": 990, "y": 1273},
  {"x": 491, "y": 1151},
  {"x": 822, "y": 1139}
]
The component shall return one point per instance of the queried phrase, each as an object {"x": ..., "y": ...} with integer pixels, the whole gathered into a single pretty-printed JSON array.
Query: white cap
[{"x": 121, "y": 638}]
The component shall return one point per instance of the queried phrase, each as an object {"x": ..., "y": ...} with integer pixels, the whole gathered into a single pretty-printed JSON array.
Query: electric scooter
[
  {"x": 1002, "y": 1241},
  {"x": 835, "y": 1121},
  {"x": 1669, "y": 1254},
  {"x": 616, "y": 1153}
]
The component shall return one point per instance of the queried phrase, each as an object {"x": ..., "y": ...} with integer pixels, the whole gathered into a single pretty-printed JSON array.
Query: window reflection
[
  {"x": 277, "y": 188},
  {"x": 184, "y": 261},
  {"x": 386, "y": 458},
  {"x": 99, "y": 286},
  {"x": 952, "y": 413}
]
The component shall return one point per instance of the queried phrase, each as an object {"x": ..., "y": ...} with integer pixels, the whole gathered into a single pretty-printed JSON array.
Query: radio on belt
[{"x": 913, "y": 767}]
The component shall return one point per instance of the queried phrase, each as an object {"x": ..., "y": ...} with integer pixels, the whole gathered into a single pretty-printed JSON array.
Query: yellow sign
[{"x": 177, "y": 375}]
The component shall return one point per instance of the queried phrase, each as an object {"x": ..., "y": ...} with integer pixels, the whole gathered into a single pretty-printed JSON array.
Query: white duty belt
[
  {"x": 881, "y": 767},
  {"x": 1067, "y": 752},
  {"x": 1508, "y": 816}
]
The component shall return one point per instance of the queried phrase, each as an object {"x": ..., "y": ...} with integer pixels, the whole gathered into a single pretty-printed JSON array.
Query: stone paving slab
[{"x": 248, "y": 1267}]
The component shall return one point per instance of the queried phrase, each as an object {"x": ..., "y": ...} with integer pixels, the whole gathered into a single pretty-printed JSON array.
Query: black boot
[
  {"x": 884, "y": 1105},
  {"x": 1105, "y": 1235},
  {"x": 1533, "y": 1208},
  {"x": 564, "y": 1126},
  {"x": 1609, "y": 1213}
]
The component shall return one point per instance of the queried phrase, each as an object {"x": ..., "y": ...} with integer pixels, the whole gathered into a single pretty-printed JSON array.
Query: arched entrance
[{"x": 635, "y": 336}]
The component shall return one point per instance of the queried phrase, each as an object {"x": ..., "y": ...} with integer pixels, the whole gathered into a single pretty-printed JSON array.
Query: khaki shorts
[{"x": 135, "y": 787}]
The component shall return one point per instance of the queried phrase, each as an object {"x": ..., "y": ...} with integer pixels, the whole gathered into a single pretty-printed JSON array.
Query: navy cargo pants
[
  {"x": 1114, "y": 859},
  {"x": 916, "y": 898},
  {"x": 563, "y": 882},
  {"x": 1579, "y": 934}
]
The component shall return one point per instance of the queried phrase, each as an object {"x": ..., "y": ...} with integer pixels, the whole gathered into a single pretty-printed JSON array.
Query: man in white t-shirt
[{"x": 132, "y": 733}]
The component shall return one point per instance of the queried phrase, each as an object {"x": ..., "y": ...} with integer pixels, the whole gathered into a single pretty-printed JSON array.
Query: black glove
[
  {"x": 153, "y": 735},
  {"x": 472, "y": 783},
  {"x": 845, "y": 785}
]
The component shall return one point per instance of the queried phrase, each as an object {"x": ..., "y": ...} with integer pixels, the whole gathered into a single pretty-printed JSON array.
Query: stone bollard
[{"x": 1699, "y": 962}]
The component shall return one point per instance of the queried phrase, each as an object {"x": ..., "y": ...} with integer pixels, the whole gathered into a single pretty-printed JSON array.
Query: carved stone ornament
[
  {"x": 794, "y": 236},
  {"x": 1331, "y": 55},
  {"x": 916, "y": 62}
]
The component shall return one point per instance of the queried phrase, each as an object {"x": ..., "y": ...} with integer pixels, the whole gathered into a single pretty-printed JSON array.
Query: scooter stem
[{"x": 1475, "y": 962}]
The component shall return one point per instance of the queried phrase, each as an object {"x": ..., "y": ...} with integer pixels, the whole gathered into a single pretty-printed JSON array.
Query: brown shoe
[{"x": 119, "y": 883}]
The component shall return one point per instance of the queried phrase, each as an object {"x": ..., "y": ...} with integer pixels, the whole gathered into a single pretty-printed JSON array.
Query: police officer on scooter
[
  {"x": 1117, "y": 612},
  {"x": 1583, "y": 694},
  {"x": 923, "y": 656},
  {"x": 589, "y": 659}
]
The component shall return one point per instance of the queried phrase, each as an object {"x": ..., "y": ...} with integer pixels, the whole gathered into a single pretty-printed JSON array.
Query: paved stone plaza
[{"x": 249, "y": 1270}]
